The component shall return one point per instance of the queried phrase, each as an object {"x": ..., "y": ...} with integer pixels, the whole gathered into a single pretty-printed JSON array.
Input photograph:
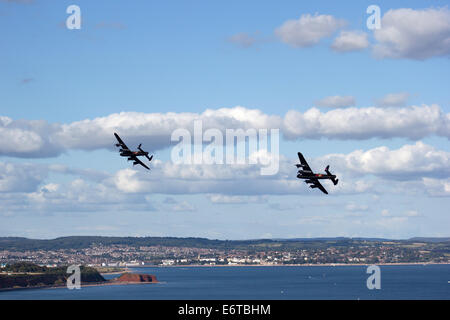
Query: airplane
[
  {"x": 132, "y": 155},
  {"x": 313, "y": 178}
]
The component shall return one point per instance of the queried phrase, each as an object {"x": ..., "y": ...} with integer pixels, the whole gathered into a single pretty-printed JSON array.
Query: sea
[{"x": 408, "y": 282}]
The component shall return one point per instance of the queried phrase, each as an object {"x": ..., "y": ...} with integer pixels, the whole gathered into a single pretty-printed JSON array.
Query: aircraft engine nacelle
[
  {"x": 313, "y": 186},
  {"x": 129, "y": 159},
  {"x": 135, "y": 163},
  {"x": 117, "y": 145}
]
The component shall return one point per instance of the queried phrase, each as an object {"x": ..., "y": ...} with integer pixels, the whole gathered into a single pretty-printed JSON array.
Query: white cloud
[
  {"x": 404, "y": 215},
  {"x": 410, "y": 162},
  {"x": 226, "y": 199},
  {"x": 413, "y": 169},
  {"x": 17, "y": 177},
  {"x": 183, "y": 206},
  {"x": 26, "y": 138},
  {"x": 413, "y": 34},
  {"x": 155, "y": 129},
  {"x": 308, "y": 30},
  {"x": 364, "y": 123},
  {"x": 79, "y": 196},
  {"x": 336, "y": 101},
  {"x": 394, "y": 100},
  {"x": 350, "y": 41},
  {"x": 351, "y": 206},
  {"x": 243, "y": 183},
  {"x": 31, "y": 138},
  {"x": 226, "y": 183},
  {"x": 39, "y": 139},
  {"x": 437, "y": 187},
  {"x": 392, "y": 223},
  {"x": 127, "y": 180}
]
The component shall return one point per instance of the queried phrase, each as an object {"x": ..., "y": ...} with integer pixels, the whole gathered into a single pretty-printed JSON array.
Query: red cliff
[{"x": 135, "y": 277}]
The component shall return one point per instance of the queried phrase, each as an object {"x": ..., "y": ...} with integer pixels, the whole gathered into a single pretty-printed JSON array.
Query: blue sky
[{"x": 157, "y": 57}]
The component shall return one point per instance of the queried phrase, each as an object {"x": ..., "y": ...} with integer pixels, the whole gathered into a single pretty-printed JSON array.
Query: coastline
[
  {"x": 113, "y": 282},
  {"x": 298, "y": 265},
  {"x": 94, "y": 284}
]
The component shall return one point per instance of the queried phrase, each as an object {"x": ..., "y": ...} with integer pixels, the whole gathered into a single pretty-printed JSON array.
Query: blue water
[{"x": 321, "y": 282}]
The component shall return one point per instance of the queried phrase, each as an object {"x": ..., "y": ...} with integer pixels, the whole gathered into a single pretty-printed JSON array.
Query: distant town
[{"x": 137, "y": 252}]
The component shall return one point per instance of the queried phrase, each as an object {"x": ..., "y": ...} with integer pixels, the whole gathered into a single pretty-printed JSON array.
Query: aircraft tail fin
[{"x": 327, "y": 170}]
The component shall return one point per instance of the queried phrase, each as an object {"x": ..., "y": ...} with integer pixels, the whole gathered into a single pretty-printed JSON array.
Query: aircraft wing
[
  {"x": 317, "y": 184},
  {"x": 122, "y": 144},
  {"x": 303, "y": 162},
  {"x": 140, "y": 162}
]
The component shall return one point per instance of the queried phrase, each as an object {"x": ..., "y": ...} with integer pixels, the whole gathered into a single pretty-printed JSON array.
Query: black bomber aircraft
[
  {"x": 132, "y": 155},
  {"x": 313, "y": 178}
]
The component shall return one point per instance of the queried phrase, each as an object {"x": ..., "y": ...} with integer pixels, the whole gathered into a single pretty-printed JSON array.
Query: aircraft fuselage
[
  {"x": 128, "y": 153},
  {"x": 304, "y": 175}
]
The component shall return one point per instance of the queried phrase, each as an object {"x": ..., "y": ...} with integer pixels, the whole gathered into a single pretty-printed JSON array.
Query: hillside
[
  {"x": 78, "y": 242},
  {"x": 28, "y": 275}
]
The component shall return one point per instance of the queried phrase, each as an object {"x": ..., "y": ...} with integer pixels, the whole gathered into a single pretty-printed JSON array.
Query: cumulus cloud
[
  {"x": 155, "y": 129},
  {"x": 409, "y": 162},
  {"x": 40, "y": 139},
  {"x": 393, "y": 100},
  {"x": 197, "y": 179},
  {"x": 413, "y": 34},
  {"x": 336, "y": 101},
  {"x": 227, "y": 183},
  {"x": 437, "y": 187},
  {"x": 18, "y": 177},
  {"x": 28, "y": 138},
  {"x": 88, "y": 174},
  {"x": 364, "y": 123},
  {"x": 416, "y": 169},
  {"x": 350, "y": 41},
  {"x": 308, "y": 30},
  {"x": 80, "y": 195}
]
